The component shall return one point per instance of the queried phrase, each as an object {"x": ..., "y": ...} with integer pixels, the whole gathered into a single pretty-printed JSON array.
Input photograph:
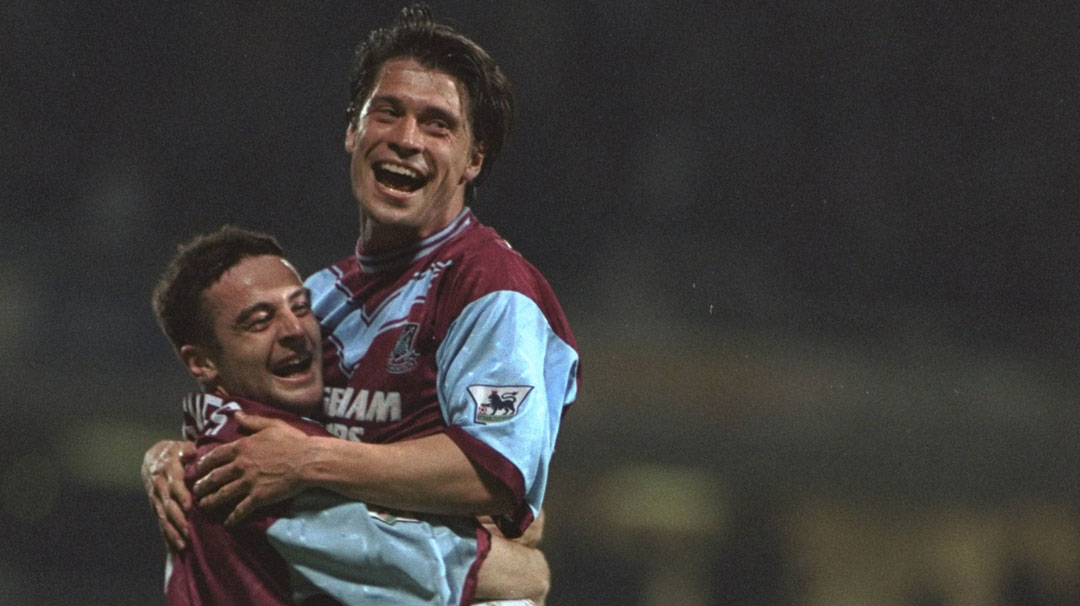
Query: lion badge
[{"x": 497, "y": 404}]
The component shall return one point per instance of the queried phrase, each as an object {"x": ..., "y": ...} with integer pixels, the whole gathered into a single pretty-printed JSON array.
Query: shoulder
[
  {"x": 484, "y": 262},
  {"x": 326, "y": 277},
  {"x": 487, "y": 274}
]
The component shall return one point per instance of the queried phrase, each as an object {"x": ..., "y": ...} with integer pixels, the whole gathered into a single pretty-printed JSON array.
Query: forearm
[{"x": 429, "y": 474}]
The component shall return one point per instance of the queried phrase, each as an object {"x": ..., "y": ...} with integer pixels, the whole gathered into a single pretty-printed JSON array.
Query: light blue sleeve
[
  {"x": 504, "y": 378},
  {"x": 338, "y": 547}
]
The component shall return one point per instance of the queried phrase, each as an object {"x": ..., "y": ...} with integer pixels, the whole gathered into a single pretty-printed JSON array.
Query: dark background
[{"x": 823, "y": 248}]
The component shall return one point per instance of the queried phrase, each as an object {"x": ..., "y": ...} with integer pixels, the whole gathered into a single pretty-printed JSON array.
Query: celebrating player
[{"x": 241, "y": 321}]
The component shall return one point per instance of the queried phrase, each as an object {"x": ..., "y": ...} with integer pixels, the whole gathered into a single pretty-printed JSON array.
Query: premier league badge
[{"x": 495, "y": 404}]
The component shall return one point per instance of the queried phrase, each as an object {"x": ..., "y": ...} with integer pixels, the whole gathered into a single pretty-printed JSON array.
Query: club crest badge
[
  {"x": 389, "y": 516},
  {"x": 495, "y": 404},
  {"x": 404, "y": 357}
]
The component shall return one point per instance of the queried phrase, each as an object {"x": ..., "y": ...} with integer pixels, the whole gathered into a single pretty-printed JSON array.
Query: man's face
[
  {"x": 268, "y": 340},
  {"x": 412, "y": 154}
]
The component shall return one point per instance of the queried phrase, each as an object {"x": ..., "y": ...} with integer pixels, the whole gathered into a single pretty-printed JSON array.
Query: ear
[
  {"x": 350, "y": 136},
  {"x": 476, "y": 162},
  {"x": 199, "y": 363}
]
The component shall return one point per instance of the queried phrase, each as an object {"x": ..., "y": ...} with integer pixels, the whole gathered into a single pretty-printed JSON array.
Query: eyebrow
[
  {"x": 425, "y": 112},
  {"x": 440, "y": 114},
  {"x": 246, "y": 313},
  {"x": 300, "y": 292}
]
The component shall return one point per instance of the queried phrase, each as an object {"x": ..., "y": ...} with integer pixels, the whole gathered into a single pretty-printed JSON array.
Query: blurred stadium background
[{"x": 821, "y": 259}]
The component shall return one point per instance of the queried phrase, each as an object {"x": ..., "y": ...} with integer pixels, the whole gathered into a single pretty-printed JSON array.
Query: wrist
[{"x": 321, "y": 463}]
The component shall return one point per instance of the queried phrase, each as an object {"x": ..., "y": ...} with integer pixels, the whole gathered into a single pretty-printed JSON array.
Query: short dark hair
[
  {"x": 416, "y": 35},
  {"x": 177, "y": 299}
]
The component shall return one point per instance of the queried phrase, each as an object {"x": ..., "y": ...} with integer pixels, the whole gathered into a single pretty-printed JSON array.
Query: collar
[{"x": 409, "y": 254}]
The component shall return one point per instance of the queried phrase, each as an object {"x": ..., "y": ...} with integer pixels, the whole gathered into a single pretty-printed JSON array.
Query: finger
[
  {"x": 176, "y": 453},
  {"x": 489, "y": 523},
  {"x": 257, "y": 423},
  {"x": 215, "y": 480},
  {"x": 158, "y": 506},
  {"x": 159, "y": 494},
  {"x": 176, "y": 521},
  {"x": 241, "y": 511},
  {"x": 225, "y": 495},
  {"x": 186, "y": 451},
  {"x": 215, "y": 458},
  {"x": 173, "y": 540},
  {"x": 175, "y": 485},
  {"x": 179, "y": 493},
  {"x": 174, "y": 537}
]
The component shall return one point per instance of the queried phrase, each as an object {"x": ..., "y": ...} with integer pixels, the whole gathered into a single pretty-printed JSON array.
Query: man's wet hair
[
  {"x": 178, "y": 296},
  {"x": 415, "y": 34}
]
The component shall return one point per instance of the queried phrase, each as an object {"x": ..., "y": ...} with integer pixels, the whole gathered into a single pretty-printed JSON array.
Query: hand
[
  {"x": 163, "y": 478},
  {"x": 532, "y": 536},
  {"x": 534, "y": 533},
  {"x": 252, "y": 472}
]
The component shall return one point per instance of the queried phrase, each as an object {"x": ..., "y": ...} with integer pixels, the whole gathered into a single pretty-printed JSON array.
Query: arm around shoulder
[{"x": 429, "y": 474}]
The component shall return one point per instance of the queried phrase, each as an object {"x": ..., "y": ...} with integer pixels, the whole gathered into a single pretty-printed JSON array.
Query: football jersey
[
  {"x": 318, "y": 548},
  {"x": 457, "y": 333},
  {"x": 222, "y": 566}
]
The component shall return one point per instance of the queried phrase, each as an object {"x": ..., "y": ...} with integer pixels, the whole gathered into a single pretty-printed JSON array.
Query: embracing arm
[{"x": 429, "y": 474}]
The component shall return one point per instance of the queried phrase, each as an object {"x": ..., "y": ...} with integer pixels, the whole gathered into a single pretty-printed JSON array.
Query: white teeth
[
  {"x": 401, "y": 170},
  {"x": 292, "y": 366}
]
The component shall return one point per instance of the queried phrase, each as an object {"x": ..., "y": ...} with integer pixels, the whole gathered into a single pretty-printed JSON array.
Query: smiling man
[
  {"x": 241, "y": 322},
  {"x": 448, "y": 361},
  {"x": 242, "y": 305},
  {"x": 412, "y": 154}
]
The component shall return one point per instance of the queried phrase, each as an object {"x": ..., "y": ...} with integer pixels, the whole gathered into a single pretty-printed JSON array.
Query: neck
[{"x": 377, "y": 238}]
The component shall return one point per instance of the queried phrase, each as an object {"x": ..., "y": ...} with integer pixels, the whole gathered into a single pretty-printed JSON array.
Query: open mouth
[
  {"x": 292, "y": 366},
  {"x": 398, "y": 178}
]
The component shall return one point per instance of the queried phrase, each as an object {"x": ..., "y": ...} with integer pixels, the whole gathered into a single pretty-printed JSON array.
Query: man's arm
[{"x": 429, "y": 474}]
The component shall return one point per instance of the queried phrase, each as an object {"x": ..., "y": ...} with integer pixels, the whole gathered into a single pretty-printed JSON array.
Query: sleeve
[{"x": 504, "y": 380}]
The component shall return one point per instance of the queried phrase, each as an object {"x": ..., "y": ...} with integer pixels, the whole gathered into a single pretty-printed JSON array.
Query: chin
[
  {"x": 390, "y": 216},
  {"x": 304, "y": 401},
  {"x": 302, "y": 407}
]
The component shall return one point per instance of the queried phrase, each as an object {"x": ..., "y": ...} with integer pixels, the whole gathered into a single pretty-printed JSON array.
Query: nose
[
  {"x": 290, "y": 328},
  {"x": 404, "y": 138}
]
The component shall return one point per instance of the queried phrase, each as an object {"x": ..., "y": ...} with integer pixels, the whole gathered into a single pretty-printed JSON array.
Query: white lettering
[
  {"x": 359, "y": 405},
  {"x": 352, "y": 434},
  {"x": 220, "y": 419},
  {"x": 384, "y": 407},
  {"x": 198, "y": 406},
  {"x": 207, "y": 411},
  {"x": 335, "y": 400},
  {"x": 377, "y": 406}
]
